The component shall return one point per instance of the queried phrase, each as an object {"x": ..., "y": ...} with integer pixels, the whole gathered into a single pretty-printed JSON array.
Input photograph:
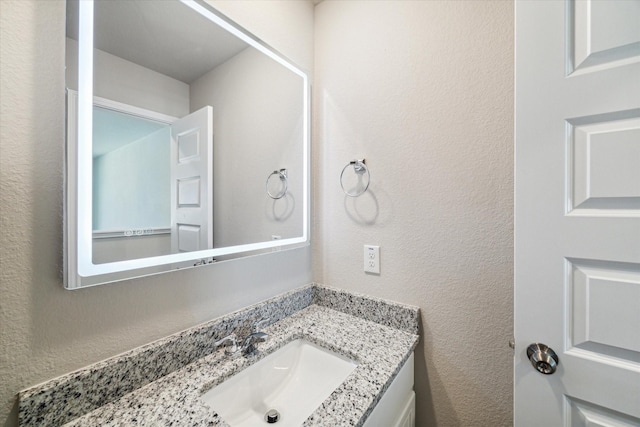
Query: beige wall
[
  {"x": 46, "y": 331},
  {"x": 423, "y": 90}
]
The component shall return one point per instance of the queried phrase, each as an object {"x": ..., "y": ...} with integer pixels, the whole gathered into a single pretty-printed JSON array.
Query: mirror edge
[{"x": 77, "y": 272}]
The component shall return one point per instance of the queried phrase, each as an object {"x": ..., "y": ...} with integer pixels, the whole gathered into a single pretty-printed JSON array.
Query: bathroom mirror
[{"x": 187, "y": 141}]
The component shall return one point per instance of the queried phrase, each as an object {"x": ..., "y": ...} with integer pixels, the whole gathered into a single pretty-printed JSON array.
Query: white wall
[
  {"x": 424, "y": 91},
  {"x": 111, "y": 249},
  {"x": 45, "y": 330},
  {"x": 132, "y": 192},
  {"x": 120, "y": 80},
  {"x": 131, "y": 189},
  {"x": 253, "y": 88}
]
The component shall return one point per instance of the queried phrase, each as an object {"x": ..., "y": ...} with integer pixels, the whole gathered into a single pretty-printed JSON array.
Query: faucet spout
[
  {"x": 232, "y": 347},
  {"x": 249, "y": 345}
]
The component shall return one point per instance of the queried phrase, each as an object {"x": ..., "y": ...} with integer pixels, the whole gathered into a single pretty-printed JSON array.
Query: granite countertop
[{"x": 174, "y": 399}]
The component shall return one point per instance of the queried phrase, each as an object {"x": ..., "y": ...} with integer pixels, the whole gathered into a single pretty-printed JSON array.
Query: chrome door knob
[{"x": 542, "y": 358}]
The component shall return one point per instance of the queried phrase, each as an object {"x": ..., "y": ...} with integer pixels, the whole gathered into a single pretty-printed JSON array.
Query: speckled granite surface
[
  {"x": 160, "y": 383},
  {"x": 398, "y": 316},
  {"x": 67, "y": 397}
]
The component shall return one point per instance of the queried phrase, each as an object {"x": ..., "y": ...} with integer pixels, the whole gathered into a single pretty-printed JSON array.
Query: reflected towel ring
[
  {"x": 282, "y": 173},
  {"x": 360, "y": 168}
]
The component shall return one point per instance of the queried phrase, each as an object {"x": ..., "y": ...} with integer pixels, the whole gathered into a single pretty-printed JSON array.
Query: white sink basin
[{"x": 294, "y": 381}]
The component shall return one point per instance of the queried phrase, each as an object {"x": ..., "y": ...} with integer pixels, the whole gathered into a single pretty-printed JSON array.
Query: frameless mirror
[{"x": 187, "y": 141}]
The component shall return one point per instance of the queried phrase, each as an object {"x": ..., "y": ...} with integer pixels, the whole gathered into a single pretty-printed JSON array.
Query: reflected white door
[
  {"x": 577, "y": 215},
  {"x": 192, "y": 182}
]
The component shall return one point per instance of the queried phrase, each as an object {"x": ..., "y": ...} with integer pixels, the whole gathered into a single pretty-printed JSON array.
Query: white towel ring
[
  {"x": 359, "y": 168},
  {"x": 282, "y": 173}
]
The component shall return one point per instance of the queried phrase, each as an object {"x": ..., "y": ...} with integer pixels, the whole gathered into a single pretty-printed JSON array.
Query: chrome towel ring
[
  {"x": 359, "y": 168},
  {"x": 282, "y": 173}
]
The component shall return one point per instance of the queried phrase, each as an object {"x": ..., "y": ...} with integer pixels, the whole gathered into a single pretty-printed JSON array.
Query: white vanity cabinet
[{"x": 397, "y": 408}]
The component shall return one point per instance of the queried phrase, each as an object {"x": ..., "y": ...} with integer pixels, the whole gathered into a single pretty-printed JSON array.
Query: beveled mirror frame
[{"x": 79, "y": 269}]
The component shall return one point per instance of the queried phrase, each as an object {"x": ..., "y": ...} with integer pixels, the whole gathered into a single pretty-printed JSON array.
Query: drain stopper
[{"x": 272, "y": 416}]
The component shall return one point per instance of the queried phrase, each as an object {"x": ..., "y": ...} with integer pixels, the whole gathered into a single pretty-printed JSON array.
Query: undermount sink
[{"x": 293, "y": 381}]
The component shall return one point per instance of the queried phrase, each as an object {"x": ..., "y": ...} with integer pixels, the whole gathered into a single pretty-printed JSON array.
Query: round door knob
[{"x": 542, "y": 358}]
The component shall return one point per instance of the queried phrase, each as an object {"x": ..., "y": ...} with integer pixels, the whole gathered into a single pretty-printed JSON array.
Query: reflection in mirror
[
  {"x": 131, "y": 183},
  {"x": 176, "y": 117}
]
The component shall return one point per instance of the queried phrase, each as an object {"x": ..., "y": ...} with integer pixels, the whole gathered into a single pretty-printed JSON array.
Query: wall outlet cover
[{"x": 372, "y": 259}]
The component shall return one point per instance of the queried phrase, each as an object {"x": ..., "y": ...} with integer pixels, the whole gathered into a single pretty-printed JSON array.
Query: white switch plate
[{"x": 372, "y": 259}]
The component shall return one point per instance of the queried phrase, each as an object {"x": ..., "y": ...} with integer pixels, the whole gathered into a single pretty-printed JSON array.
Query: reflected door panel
[{"x": 192, "y": 182}]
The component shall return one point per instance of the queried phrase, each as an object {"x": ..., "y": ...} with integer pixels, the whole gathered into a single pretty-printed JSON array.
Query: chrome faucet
[
  {"x": 256, "y": 336},
  {"x": 232, "y": 347},
  {"x": 248, "y": 345}
]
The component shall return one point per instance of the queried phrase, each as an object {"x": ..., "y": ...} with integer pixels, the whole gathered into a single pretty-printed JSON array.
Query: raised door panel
[
  {"x": 603, "y": 35},
  {"x": 604, "y": 164},
  {"x": 192, "y": 182},
  {"x": 577, "y": 211}
]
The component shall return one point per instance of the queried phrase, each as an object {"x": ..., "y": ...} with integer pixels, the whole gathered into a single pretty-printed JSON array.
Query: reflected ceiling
[{"x": 143, "y": 37}]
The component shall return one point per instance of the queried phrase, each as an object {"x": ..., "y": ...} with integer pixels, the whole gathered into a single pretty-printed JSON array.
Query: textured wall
[
  {"x": 45, "y": 330},
  {"x": 424, "y": 91}
]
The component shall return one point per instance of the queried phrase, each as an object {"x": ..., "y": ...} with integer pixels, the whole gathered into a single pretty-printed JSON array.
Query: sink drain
[{"x": 272, "y": 416}]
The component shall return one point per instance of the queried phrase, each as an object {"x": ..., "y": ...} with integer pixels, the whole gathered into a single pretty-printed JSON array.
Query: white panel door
[
  {"x": 577, "y": 213},
  {"x": 192, "y": 182}
]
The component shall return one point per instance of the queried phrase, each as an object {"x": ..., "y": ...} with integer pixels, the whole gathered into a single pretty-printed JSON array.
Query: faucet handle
[
  {"x": 232, "y": 339},
  {"x": 260, "y": 324}
]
